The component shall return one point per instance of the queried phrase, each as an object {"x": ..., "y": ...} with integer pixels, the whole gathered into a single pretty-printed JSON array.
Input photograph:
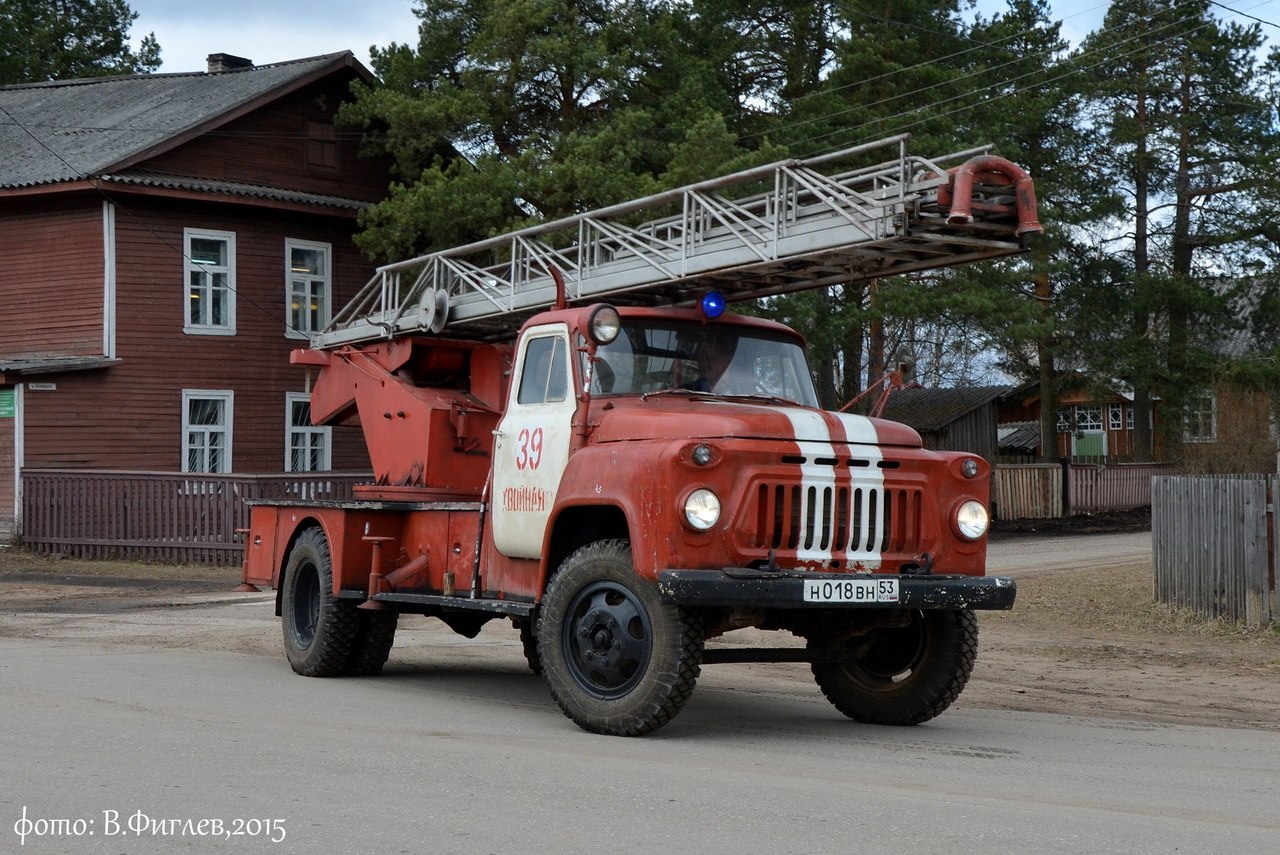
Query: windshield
[{"x": 719, "y": 359}]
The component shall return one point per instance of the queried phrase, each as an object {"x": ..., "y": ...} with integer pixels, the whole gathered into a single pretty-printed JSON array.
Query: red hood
[{"x": 685, "y": 417}]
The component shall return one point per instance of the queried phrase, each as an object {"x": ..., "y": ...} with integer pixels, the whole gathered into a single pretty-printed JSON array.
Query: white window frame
[
  {"x": 1193, "y": 419},
  {"x": 325, "y": 281},
  {"x": 1115, "y": 417},
  {"x": 190, "y": 267},
  {"x": 324, "y": 432},
  {"x": 1088, "y": 418},
  {"x": 227, "y": 398}
]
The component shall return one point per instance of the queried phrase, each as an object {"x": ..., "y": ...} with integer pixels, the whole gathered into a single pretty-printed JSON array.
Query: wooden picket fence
[
  {"x": 1214, "y": 544},
  {"x": 1036, "y": 490},
  {"x": 1031, "y": 491},
  {"x": 156, "y": 516}
]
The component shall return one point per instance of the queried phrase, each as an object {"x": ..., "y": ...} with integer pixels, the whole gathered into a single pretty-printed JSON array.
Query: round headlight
[
  {"x": 972, "y": 519},
  {"x": 702, "y": 509},
  {"x": 604, "y": 324},
  {"x": 969, "y": 468},
  {"x": 702, "y": 454}
]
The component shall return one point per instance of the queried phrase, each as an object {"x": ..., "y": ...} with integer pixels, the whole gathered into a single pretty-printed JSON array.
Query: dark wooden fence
[
  {"x": 156, "y": 516},
  {"x": 1214, "y": 542},
  {"x": 1036, "y": 491}
]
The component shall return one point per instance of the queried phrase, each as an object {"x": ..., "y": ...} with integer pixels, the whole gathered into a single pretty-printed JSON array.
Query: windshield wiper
[{"x": 748, "y": 396}]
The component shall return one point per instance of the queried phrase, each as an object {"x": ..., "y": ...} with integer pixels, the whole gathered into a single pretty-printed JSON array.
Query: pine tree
[
  {"x": 67, "y": 39},
  {"x": 1183, "y": 129}
]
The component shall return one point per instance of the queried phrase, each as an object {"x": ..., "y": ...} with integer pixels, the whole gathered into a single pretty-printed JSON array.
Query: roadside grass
[
  {"x": 15, "y": 560},
  {"x": 1114, "y": 600}
]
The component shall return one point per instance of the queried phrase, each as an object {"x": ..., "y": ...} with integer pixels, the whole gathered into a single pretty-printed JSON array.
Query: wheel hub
[{"x": 608, "y": 639}]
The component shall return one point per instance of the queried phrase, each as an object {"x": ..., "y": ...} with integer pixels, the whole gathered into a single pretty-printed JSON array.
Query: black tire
[
  {"x": 902, "y": 675},
  {"x": 375, "y": 634},
  {"x": 529, "y": 641},
  {"x": 319, "y": 629},
  {"x": 616, "y": 659}
]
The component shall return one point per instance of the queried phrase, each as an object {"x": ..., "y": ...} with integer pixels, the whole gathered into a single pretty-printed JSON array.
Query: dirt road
[{"x": 1084, "y": 639}]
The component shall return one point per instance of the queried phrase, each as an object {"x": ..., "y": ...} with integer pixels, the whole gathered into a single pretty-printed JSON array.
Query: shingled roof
[
  {"x": 930, "y": 410},
  {"x": 73, "y": 130}
]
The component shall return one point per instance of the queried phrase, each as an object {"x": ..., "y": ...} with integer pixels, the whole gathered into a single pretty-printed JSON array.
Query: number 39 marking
[{"x": 529, "y": 455}]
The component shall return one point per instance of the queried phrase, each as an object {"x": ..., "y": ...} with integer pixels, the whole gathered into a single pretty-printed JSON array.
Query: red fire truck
[{"x": 569, "y": 431}]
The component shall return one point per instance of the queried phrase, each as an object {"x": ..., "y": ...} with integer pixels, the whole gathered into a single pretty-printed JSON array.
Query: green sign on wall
[{"x": 6, "y": 404}]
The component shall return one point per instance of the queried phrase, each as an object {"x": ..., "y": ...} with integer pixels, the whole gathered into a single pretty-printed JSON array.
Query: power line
[
  {"x": 1244, "y": 14},
  {"x": 786, "y": 126},
  {"x": 980, "y": 93}
]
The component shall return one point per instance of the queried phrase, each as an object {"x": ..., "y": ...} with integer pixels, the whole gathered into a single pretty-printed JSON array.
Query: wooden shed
[{"x": 962, "y": 419}]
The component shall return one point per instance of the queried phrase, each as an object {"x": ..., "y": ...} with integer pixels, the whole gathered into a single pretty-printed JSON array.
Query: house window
[
  {"x": 1115, "y": 417},
  {"x": 1128, "y": 418},
  {"x": 308, "y": 287},
  {"x": 1201, "y": 423},
  {"x": 1088, "y": 418},
  {"x": 206, "y": 430},
  {"x": 1064, "y": 421},
  {"x": 307, "y": 446},
  {"x": 210, "y": 262}
]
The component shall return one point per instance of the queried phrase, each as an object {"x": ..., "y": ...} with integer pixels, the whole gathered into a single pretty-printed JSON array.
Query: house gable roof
[
  {"x": 929, "y": 410},
  {"x": 76, "y": 129}
]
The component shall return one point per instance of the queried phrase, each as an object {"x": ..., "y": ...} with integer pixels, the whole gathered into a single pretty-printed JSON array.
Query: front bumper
[{"x": 735, "y": 587}]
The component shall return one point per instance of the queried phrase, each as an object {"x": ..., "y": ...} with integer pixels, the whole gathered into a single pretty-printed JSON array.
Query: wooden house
[
  {"x": 1091, "y": 423},
  {"x": 1232, "y": 424},
  {"x": 165, "y": 241}
]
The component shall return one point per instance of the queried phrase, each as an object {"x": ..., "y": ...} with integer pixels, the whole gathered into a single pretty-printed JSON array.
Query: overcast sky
[{"x": 268, "y": 31}]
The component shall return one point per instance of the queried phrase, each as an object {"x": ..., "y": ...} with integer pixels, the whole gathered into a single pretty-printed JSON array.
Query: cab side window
[{"x": 544, "y": 377}]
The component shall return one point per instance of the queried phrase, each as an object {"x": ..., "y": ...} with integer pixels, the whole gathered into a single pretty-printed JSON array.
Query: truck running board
[{"x": 435, "y": 602}]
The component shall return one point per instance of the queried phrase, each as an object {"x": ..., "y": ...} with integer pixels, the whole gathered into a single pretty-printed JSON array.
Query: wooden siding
[
  {"x": 129, "y": 416},
  {"x": 51, "y": 273},
  {"x": 1245, "y": 440},
  {"x": 1210, "y": 541},
  {"x": 156, "y": 516},
  {"x": 269, "y": 147},
  {"x": 974, "y": 432}
]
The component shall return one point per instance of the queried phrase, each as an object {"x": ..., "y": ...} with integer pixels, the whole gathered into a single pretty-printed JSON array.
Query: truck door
[{"x": 531, "y": 448}]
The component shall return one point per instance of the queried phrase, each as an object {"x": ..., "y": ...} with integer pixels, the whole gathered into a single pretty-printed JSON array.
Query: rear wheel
[
  {"x": 529, "y": 641},
  {"x": 375, "y": 633},
  {"x": 617, "y": 660},
  {"x": 901, "y": 675},
  {"x": 319, "y": 629}
]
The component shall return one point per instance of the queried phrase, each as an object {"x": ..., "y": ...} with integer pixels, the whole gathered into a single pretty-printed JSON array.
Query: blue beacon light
[{"x": 712, "y": 305}]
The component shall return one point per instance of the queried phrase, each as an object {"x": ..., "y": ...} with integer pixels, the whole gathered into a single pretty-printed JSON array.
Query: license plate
[{"x": 851, "y": 591}]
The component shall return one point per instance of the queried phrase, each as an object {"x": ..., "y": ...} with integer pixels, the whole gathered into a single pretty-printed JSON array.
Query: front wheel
[
  {"x": 903, "y": 674},
  {"x": 616, "y": 659}
]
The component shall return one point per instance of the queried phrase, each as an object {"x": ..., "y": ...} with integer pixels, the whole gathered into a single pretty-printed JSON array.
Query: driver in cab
[{"x": 714, "y": 354}]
